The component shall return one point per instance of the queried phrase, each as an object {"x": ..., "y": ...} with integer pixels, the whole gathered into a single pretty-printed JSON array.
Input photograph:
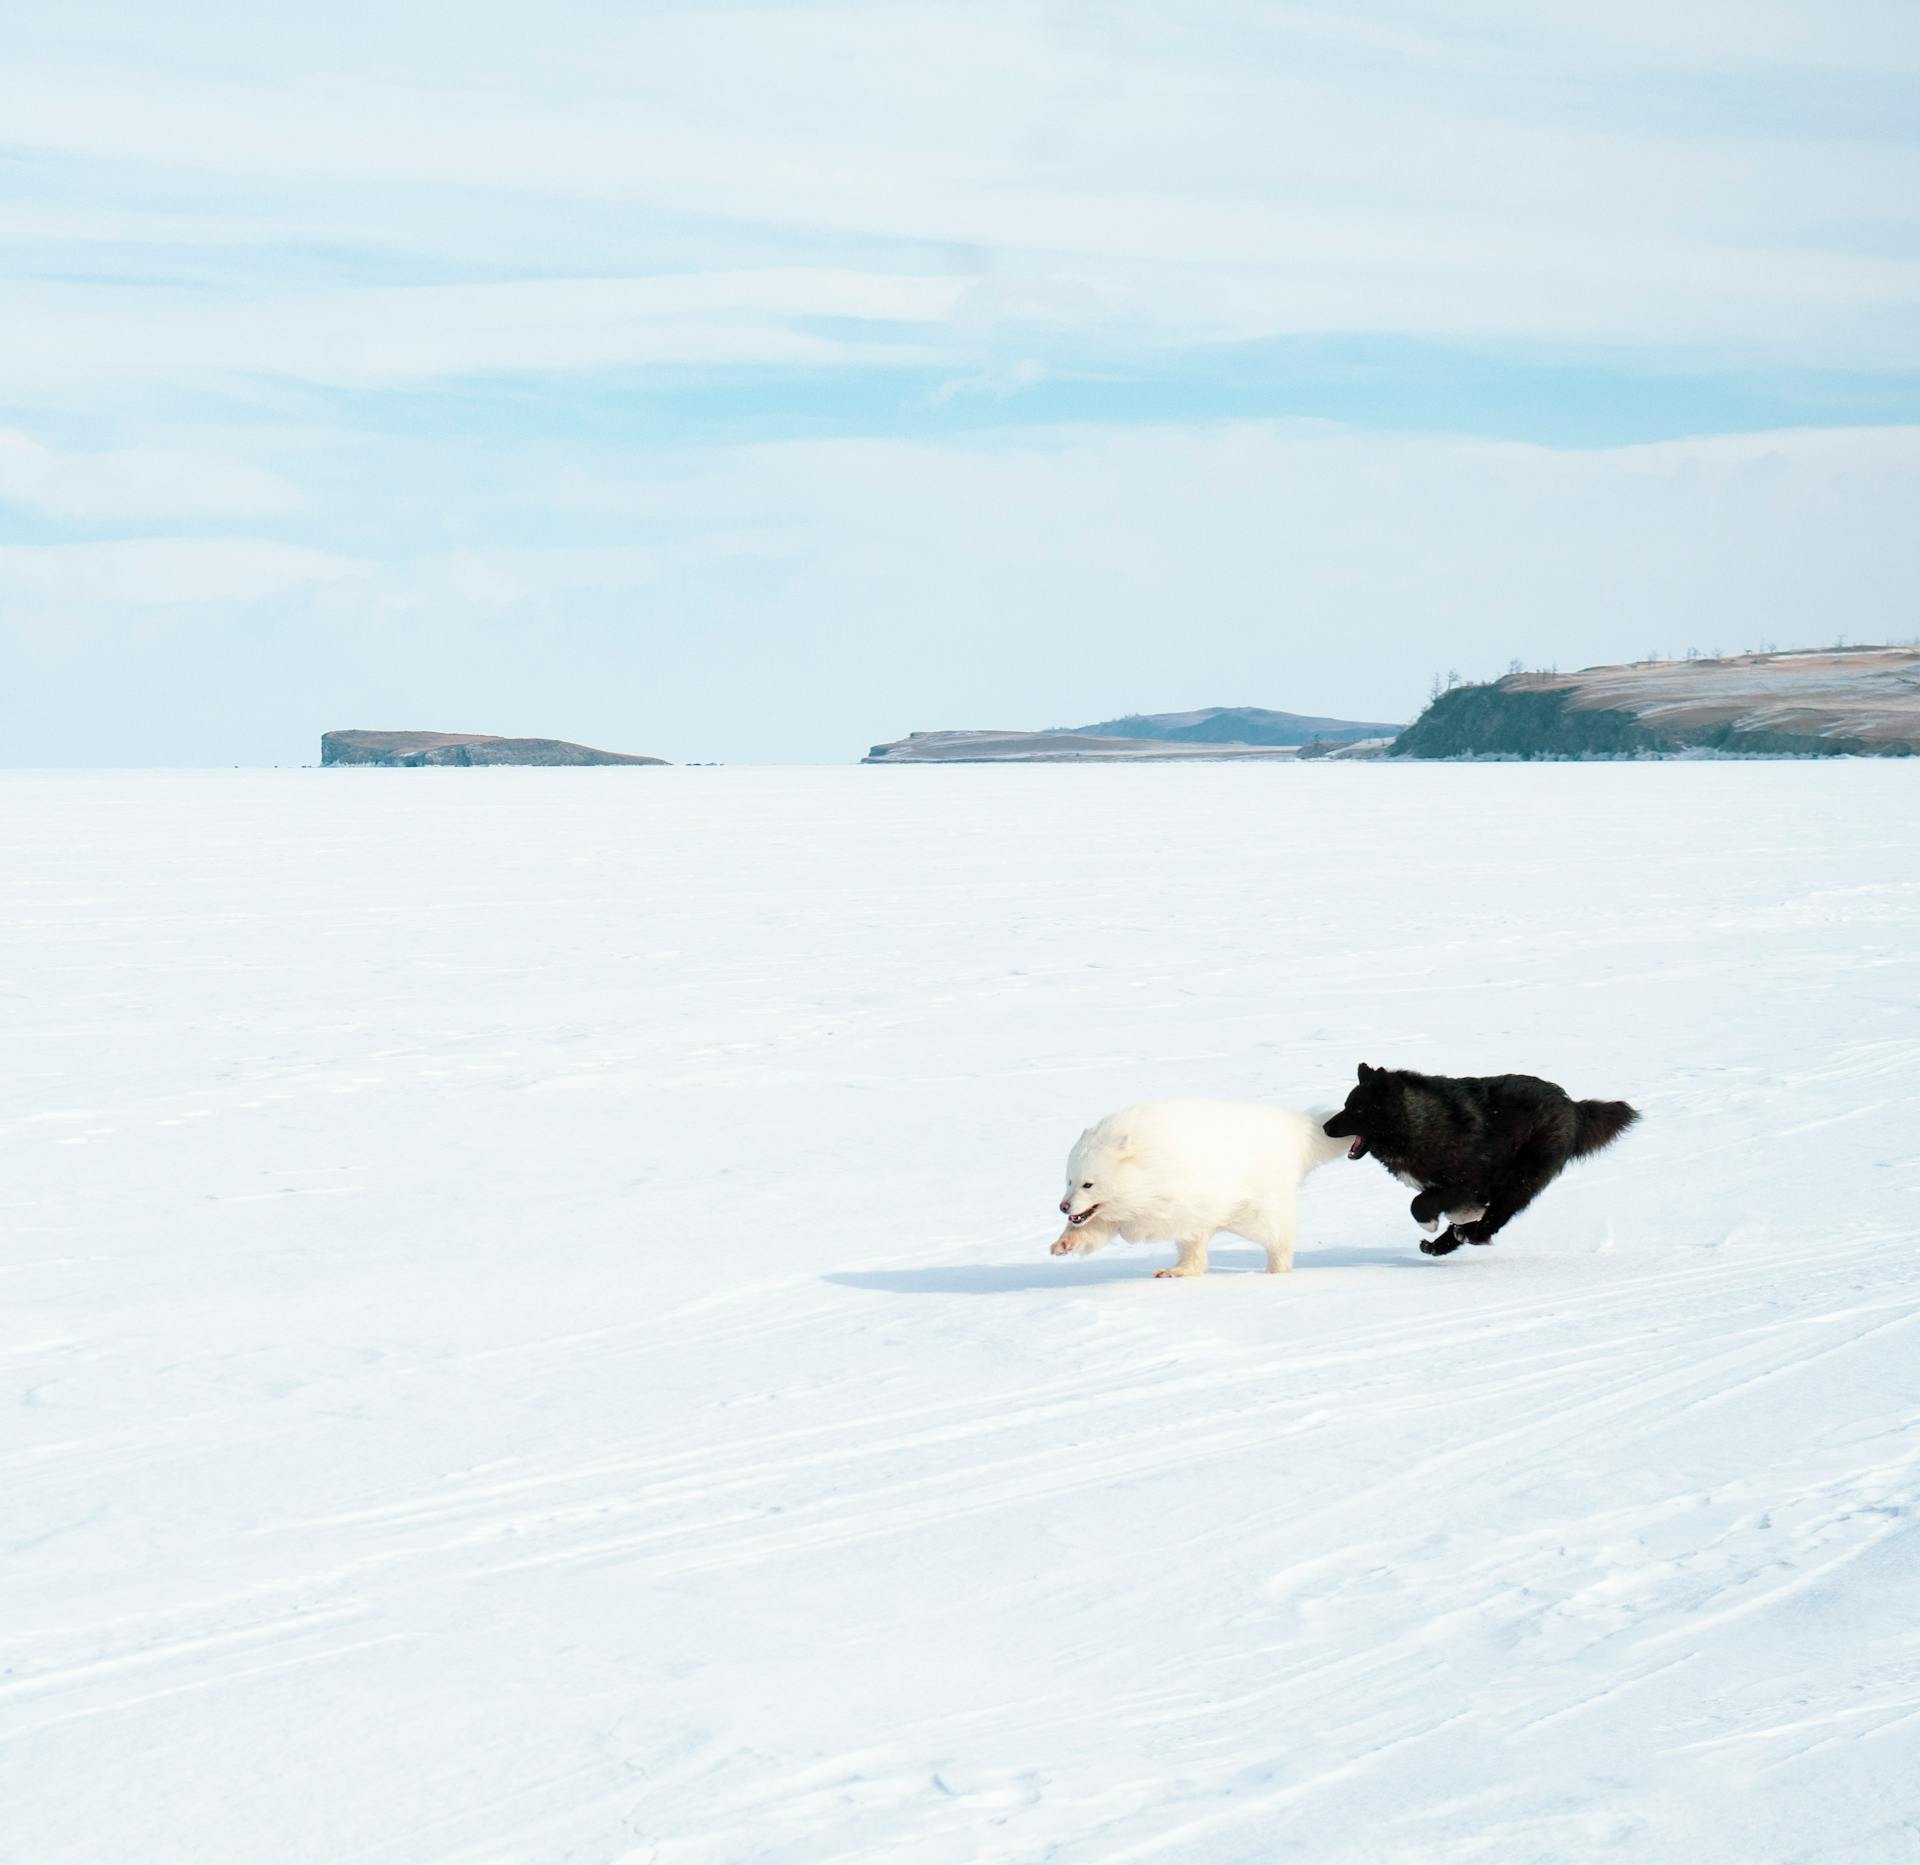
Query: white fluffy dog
[{"x": 1186, "y": 1169}]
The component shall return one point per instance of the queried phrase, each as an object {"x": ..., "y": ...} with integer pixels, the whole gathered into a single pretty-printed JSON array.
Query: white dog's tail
[{"x": 1320, "y": 1149}]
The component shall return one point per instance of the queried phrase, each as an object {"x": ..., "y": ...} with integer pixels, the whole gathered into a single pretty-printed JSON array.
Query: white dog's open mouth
[{"x": 1080, "y": 1217}]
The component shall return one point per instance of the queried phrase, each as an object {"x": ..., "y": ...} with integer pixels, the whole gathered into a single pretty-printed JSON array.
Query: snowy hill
[
  {"x": 1211, "y": 732},
  {"x": 1238, "y": 725},
  {"x": 1057, "y": 747},
  {"x": 530, "y": 1337}
]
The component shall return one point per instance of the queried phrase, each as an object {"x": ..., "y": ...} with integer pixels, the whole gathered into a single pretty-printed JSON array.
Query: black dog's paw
[
  {"x": 1472, "y": 1233},
  {"x": 1443, "y": 1245}
]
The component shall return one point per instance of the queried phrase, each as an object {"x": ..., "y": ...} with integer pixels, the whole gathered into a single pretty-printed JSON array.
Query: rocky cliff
[
  {"x": 1806, "y": 702},
  {"x": 416, "y": 748}
]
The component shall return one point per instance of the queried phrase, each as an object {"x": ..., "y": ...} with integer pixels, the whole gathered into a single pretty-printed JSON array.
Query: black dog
[{"x": 1481, "y": 1148}]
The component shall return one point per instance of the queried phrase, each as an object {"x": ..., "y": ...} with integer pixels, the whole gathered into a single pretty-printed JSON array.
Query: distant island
[
  {"x": 412, "y": 749},
  {"x": 1211, "y": 732},
  {"x": 1803, "y": 702}
]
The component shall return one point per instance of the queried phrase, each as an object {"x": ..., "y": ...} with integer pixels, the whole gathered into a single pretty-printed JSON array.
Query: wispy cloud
[
  {"x": 389, "y": 335},
  {"x": 121, "y": 483},
  {"x": 115, "y": 575}
]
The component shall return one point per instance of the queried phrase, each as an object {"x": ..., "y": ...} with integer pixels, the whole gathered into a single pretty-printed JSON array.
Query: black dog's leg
[
  {"x": 1533, "y": 1171},
  {"x": 1428, "y": 1208}
]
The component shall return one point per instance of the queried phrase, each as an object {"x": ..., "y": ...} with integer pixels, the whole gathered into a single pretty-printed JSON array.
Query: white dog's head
[{"x": 1097, "y": 1171}]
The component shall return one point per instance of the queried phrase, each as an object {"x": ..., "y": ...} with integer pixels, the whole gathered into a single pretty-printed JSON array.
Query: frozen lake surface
[{"x": 528, "y": 1331}]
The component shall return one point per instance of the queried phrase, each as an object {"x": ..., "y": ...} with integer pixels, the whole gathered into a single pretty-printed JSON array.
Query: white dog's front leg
[
  {"x": 1082, "y": 1239},
  {"x": 1192, "y": 1260}
]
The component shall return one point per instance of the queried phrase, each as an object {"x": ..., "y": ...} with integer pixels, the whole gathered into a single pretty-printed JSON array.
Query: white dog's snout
[{"x": 1066, "y": 1206}]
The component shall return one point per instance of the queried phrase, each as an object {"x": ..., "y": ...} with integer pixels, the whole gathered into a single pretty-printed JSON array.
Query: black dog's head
[{"x": 1373, "y": 1117}]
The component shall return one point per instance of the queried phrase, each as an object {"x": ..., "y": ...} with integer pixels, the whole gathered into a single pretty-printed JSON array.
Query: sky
[{"x": 757, "y": 382}]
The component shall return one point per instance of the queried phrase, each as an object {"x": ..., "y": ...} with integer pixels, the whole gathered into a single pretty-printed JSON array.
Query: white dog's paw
[
  {"x": 1158, "y": 1274},
  {"x": 1065, "y": 1246}
]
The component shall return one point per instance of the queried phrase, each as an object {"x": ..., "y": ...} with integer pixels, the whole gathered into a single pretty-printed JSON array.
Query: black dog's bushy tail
[{"x": 1598, "y": 1123}]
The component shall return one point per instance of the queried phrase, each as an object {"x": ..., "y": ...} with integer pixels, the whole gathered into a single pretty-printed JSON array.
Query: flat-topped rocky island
[{"x": 410, "y": 749}]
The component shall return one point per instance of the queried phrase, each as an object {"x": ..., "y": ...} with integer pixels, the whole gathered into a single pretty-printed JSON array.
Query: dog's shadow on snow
[
  {"x": 979, "y": 1278},
  {"x": 1024, "y": 1278}
]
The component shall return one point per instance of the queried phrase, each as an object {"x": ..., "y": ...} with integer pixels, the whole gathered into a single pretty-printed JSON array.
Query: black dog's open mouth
[
  {"x": 1080, "y": 1217},
  {"x": 1358, "y": 1150}
]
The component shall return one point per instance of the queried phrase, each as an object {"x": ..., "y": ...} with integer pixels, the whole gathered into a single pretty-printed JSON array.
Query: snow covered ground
[{"x": 528, "y": 1333}]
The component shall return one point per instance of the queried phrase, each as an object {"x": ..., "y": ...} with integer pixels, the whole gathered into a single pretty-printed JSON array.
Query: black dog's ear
[{"x": 1365, "y": 1071}]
